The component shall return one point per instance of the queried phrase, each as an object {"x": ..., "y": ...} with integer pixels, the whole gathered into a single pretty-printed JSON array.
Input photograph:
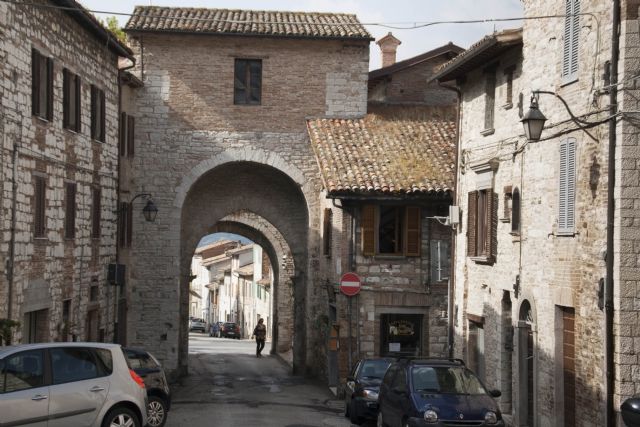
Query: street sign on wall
[{"x": 350, "y": 284}]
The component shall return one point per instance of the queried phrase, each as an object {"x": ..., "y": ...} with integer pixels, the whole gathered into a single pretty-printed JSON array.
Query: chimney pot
[{"x": 388, "y": 46}]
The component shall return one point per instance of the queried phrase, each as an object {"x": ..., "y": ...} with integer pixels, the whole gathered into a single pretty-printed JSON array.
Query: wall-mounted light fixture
[
  {"x": 150, "y": 211},
  {"x": 533, "y": 120}
]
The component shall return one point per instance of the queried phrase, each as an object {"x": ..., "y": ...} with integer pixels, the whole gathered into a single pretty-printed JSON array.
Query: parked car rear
[
  {"x": 197, "y": 325},
  {"x": 158, "y": 392},
  {"x": 70, "y": 384},
  {"x": 230, "y": 330}
]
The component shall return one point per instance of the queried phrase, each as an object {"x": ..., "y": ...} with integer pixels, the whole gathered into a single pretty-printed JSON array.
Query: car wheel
[
  {"x": 121, "y": 416},
  {"x": 156, "y": 412},
  {"x": 380, "y": 422},
  {"x": 353, "y": 414}
]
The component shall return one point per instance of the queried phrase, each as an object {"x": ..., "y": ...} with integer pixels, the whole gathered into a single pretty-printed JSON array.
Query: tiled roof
[
  {"x": 247, "y": 22},
  {"x": 447, "y": 49},
  {"x": 479, "y": 54},
  {"x": 407, "y": 152}
]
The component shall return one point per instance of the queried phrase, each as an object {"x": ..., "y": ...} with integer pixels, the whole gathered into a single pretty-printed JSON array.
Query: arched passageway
[{"x": 265, "y": 205}]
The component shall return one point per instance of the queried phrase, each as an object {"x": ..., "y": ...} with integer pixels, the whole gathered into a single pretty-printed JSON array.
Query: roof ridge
[{"x": 243, "y": 10}]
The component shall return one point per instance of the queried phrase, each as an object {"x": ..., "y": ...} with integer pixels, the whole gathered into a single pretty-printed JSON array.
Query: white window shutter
[
  {"x": 571, "y": 41},
  {"x": 567, "y": 187}
]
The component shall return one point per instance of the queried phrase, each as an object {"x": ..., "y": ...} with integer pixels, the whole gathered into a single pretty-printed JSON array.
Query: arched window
[{"x": 515, "y": 211}]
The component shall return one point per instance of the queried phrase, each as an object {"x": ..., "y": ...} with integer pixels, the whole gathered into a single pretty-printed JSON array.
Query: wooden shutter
[
  {"x": 472, "y": 212},
  {"x": 96, "y": 214},
  {"x": 78, "y": 100},
  {"x": 39, "y": 206},
  {"x": 491, "y": 225},
  {"x": 35, "y": 82},
  {"x": 123, "y": 134},
  {"x": 570, "y": 46},
  {"x": 49, "y": 114},
  {"x": 131, "y": 134},
  {"x": 122, "y": 224},
  {"x": 567, "y": 187},
  {"x": 65, "y": 98},
  {"x": 70, "y": 211},
  {"x": 327, "y": 228},
  {"x": 129, "y": 223},
  {"x": 102, "y": 115},
  {"x": 490, "y": 98},
  {"x": 369, "y": 230},
  {"x": 93, "y": 112},
  {"x": 413, "y": 231}
]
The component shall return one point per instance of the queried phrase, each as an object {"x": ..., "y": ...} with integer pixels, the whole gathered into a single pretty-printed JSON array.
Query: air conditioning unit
[{"x": 454, "y": 215}]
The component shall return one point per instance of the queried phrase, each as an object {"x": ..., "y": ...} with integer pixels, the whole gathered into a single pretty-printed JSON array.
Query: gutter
[{"x": 609, "y": 366}]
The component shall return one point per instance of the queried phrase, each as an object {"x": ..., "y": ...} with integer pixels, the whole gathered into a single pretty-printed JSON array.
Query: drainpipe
[
  {"x": 454, "y": 232},
  {"x": 608, "y": 290},
  {"x": 12, "y": 239}
]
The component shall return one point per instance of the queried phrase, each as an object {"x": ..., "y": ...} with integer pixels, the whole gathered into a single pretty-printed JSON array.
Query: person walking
[{"x": 260, "y": 332}]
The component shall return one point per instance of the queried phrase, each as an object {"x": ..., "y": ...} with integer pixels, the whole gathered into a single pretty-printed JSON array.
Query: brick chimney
[{"x": 388, "y": 45}]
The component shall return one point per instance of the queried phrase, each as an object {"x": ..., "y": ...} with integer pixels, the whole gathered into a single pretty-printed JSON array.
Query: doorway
[{"x": 526, "y": 363}]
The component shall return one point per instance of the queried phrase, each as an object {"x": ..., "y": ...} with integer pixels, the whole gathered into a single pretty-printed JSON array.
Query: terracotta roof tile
[
  {"x": 247, "y": 22},
  {"x": 386, "y": 154}
]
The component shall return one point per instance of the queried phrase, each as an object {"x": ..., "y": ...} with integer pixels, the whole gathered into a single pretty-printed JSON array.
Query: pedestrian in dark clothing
[{"x": 260, "y": 332}]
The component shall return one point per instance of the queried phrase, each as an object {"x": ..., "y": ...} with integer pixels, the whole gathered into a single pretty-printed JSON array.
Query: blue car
[{"x": 435, "y": 393}]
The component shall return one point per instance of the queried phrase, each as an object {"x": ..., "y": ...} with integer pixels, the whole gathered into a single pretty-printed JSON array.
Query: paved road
[{"x": 228, "y": 386}]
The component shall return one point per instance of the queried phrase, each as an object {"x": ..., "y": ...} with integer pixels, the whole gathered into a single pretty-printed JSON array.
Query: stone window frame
[
  {"x": 482, "y": 215},
  {"x": 509, "y": 73},
  {"x": 42, "y": 75},
  {"x": 409, "y": 233},
  {"x": 98, "y": 119},
  {"x": 242, "y": 96},
  {"x": 71, "y": 101}
]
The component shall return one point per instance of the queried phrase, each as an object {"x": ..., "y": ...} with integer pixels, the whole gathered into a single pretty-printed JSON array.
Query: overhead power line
[{"x": 390, "y": 25}]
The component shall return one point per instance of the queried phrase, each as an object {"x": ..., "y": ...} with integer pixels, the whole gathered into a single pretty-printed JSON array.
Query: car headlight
[
  {"x": 490, "y": 417},
  {"x": 430, "y": 416},
  {"x": 370, "y": 394}
]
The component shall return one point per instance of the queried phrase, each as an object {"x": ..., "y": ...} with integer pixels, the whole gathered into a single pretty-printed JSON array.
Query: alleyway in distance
[{"x": 228, "y": 386}]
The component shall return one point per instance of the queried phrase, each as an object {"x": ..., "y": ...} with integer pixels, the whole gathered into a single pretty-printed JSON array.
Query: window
[
  {"x": 125, "y": 219},
  {"x": 66, "y": 320},
  {"x": 401, "y": 334},
  {"x": 481, "y": 225},
  {"x": 41, "y": 85},
  {"x": 72, "y": 364},
  {"x": 247, "y": 86},
  {"x": 571, "y": 39},
  {"x": 508, "y": 75},
  {"x": 96, "y": 213},
  {"x": 515, "y": 212},
  {"x": 70, "y": 211},
  {"x": 39, "y": 206},
  {"x": 94, "y": 293},
  {"x": 127, "y": 133},
  {"x": 22, "y": 371},
  {"x": 490, "y": 100},
  {"x": 440, "y": 260},
  {"x": 567, "y": 187},
  {"x": 327, "y": 229},
  {"x": 97, "y": 114},
  {"x": 71, "y": 101},
  {"x": 391, "y": 230},
  {"x": 475, "y": 345}
]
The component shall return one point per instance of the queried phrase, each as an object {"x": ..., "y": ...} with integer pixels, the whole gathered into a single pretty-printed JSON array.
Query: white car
[{"x": 70, "y": 384}]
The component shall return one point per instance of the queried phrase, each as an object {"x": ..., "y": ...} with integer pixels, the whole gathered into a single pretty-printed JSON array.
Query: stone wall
[
  {"x": 64, "y": 269},
  {"x": 204, "y": 158}
]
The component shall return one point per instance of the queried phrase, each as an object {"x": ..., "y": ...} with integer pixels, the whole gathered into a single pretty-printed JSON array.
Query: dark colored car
[
  {"x": 435, "y": 393},
  {"x": 361, "y": 389},
  {"x": 158, "y": 392},
  {"x": 230, "y": 330},
  {"x": 214, "y": 329},
  {"x": 630, "y": 410}
]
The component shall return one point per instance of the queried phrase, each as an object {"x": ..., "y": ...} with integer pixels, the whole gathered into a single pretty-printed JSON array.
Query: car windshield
[
  {"x": 373, "y": 369},
  {"x": 446, "y": 380}
]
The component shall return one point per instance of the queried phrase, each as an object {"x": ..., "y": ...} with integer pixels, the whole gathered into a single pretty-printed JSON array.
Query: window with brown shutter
[
  {"x": 131, "y": 132},
  {"x": 97, "y": 114},
  {"x": 369, "y": 230},
  {"x": 413, "y": 231},
  {"x": 70, "y": 211},
  {"x": 39, "y": 200},
  {"x": 96, "y": 213},
  {"x": 327, "y": 230},
  {"x": 71, "y": 100},
  {"x": 482, "y": 224},
  {"x": 41, "y": 85}
]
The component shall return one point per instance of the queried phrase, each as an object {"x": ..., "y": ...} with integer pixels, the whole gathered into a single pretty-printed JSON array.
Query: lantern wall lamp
[{"x": 150, "y": 211}]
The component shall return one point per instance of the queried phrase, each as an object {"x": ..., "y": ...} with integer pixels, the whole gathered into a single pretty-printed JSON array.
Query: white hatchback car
[{"x": 70, "y": 384}]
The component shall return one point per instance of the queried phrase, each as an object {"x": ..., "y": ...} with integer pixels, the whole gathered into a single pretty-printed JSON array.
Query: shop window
[{"x": 401, "y": 334}]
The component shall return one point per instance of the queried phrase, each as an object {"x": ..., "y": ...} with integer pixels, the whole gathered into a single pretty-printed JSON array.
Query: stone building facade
[
  {"x": 222, "y": 156},
  {"x": 59, "y": 163},
  {"x": 530, "y": 263}
]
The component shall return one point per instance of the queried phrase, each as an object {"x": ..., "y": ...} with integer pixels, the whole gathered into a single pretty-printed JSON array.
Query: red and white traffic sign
[{"x": 350, "y": 284}]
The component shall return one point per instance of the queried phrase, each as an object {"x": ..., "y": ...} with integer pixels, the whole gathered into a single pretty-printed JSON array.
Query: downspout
[
  {"x": 454, "y": 231},
  {"x": 12, "y": 239},
  {"x": 611, "y": 183}
]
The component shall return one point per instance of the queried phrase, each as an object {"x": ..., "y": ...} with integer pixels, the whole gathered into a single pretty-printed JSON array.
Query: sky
[
  {"x": 414, "y": 41},
  {"x": 210, "y": 238}
]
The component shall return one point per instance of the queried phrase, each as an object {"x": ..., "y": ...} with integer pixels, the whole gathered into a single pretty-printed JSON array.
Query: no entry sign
[{"x": 350, "y": 284}]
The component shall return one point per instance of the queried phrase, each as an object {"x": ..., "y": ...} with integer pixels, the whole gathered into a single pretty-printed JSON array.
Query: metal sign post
[{"x": 350, "y": 285}]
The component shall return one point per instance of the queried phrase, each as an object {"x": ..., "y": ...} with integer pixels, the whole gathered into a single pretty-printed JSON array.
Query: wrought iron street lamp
[
  {"x": 150, "y": 211},
  {"x": 533, "y": 121}
]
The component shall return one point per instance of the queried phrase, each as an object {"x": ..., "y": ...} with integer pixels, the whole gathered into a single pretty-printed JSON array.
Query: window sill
[
  {"x": 389, "y": 257},
  {"x": 488, "y": 132},
  {"x": 42, "y": 120},
  {"x": 482, "y": 259},
  {"x": 508, "y": 106},
  {"x": 505, "y": 219},
  {"x": 567, "y": 82},
  {"x": 73, "y": 131}
]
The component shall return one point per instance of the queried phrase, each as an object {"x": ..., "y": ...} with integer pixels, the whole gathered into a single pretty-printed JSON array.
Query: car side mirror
[
  {"x": 495, "y": 393},
  {"x": 630, "y": 409}
]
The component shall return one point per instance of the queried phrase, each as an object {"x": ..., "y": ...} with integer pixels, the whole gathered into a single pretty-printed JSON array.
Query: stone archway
[{"x": 261, "y": 201}]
